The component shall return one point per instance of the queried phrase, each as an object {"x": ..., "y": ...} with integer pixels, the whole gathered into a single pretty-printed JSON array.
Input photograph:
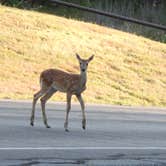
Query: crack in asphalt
[
  {"x": 114, "y": 160},
  {"x": 31, "y": 162}
]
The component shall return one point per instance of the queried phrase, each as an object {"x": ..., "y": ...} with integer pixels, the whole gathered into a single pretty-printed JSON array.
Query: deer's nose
[{"x": 83, "y": 70}]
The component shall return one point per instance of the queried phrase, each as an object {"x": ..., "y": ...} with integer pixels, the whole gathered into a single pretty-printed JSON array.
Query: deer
[{"x": 53, "y": 80}]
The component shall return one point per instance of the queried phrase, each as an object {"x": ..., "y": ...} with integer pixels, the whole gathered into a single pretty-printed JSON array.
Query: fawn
[{"x": 53, "y": 80}]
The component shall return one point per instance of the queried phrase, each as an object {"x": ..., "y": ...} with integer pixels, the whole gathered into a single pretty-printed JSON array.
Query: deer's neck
[{"x": 83, "y": 79}]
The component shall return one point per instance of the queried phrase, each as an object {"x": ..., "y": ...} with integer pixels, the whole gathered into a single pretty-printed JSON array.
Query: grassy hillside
[{"x": 127, "y": 69}]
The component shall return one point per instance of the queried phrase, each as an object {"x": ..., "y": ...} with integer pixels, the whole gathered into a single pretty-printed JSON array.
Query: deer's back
[{"x": 59, "y": 79}]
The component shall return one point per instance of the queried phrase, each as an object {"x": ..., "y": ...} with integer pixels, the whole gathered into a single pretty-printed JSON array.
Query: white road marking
[{"x": 83, "y": 148}]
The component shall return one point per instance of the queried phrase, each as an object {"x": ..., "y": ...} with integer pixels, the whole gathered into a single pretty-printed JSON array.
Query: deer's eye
[
  {"x": 87, "y": 64},
  {"x": 80, "y": 63}
]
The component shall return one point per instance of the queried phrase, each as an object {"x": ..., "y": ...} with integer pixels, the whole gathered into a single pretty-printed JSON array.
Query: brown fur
[
  {"x": 66, "y": 82},
  {"x": 52, "y": 80}
]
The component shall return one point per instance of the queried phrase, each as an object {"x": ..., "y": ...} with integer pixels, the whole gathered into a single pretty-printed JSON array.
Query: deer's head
[{"x": 84, "y": 62}]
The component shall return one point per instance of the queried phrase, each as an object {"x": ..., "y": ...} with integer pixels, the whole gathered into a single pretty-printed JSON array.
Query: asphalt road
[{"x": 114, "y": 136}]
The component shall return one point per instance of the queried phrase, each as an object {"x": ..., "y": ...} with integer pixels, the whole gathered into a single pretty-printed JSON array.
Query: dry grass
[{"x": 127, "y": 69}]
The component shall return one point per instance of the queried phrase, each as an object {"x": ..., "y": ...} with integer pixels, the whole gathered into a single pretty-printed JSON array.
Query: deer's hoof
[
  {"x": 67, "y": 130},
  {"x": 32, "y": 124},
  {"x": 84, "y": 124},
  {"x": 84, "y": 127},
  {"x": 66, "y": 126},
  {"x": 48, "y": 126}
]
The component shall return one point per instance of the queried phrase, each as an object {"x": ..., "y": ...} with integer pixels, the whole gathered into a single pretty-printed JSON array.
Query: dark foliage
[{"x": 147, "y": 10}]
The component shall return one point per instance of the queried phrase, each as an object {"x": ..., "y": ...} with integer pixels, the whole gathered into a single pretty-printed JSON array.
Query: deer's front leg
[
  {"x": 80, "y": 99},
  {"x": 67, "y": 111}
]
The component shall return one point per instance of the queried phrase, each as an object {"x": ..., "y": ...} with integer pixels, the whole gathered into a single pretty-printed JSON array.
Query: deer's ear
[
  {"x": 90, "y": 58},
  {"x": 78, "y": 57}
]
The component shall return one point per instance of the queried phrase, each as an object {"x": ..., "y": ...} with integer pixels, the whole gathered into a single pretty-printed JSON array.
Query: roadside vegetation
[
  {"x": 153, "y": 11},
  {"x": 127, "y": 69}
]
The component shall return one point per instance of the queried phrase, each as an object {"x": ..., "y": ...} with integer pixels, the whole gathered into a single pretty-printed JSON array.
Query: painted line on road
[{"x": 83, "y": 148}]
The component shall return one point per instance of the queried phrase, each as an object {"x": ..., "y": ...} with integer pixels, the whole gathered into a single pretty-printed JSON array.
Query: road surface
[{"x": 115, "y": 135}]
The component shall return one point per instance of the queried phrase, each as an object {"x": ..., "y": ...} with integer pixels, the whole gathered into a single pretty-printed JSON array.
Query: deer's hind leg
[
  {"x": 44, "y": 99},
  {"x": 35, "y": 98}
]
